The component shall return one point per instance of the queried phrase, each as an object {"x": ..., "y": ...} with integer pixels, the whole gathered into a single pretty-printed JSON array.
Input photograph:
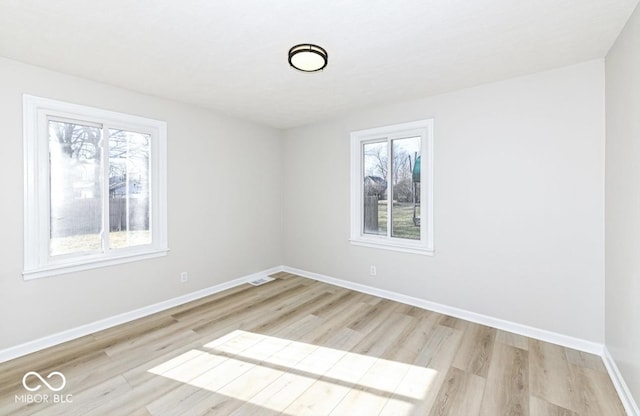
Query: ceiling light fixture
[{"x": 308, "y": 58}]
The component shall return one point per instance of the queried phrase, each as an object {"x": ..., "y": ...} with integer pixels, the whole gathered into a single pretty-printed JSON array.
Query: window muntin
[
  {"x": 95, "y": 187},
  {"x": 391, "y": 187}
]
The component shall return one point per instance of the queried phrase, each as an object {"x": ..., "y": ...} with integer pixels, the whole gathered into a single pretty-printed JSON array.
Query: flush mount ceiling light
[{"x": 308, "y": 58}]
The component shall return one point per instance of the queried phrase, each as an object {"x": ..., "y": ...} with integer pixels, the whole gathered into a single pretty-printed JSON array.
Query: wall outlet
[
  {"x": 372, "y": 271},
  {"x": 184, "y": 277}
]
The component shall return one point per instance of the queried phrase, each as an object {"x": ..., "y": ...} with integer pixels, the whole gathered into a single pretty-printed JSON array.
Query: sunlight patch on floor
[{"x": 280, "y": 374}]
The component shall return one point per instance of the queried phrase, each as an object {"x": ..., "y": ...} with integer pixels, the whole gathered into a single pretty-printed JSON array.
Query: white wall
[
  {"x": 224, "y": 203},
  {"x": 518, "y": 204},
  {"x": 623, "y": 203},
  {"x": 519, "y": 180}
]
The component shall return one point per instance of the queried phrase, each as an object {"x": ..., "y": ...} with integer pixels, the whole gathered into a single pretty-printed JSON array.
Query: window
[
  {"x": 95, "y": 187},
  {"x": 392, "y": 187}
]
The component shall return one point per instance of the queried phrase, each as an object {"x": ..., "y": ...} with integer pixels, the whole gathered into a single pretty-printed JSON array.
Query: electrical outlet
[
  {"x": 184, "y": 277},
  {"x": 372, "y": 271}
]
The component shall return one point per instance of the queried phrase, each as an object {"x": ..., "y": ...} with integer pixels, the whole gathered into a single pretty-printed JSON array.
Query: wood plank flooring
[{"x": 296, "y": 346}]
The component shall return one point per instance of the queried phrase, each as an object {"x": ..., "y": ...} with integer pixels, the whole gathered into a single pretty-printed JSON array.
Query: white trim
[
  {"x": 579, "y": 344},
  {"x": 528, "y": 331},
  {"x": 536, "y": 333},
  {"x": 386, "y": 134},
  {"x": 72, "y": 110},
  {"x": 392, "y": 247},
  {"x": 83, "y": 330},
  {"x": 630, "y": 405},
  {"x": 37, "y": 260},
  {"x": 79, "y": 266},
  {"x": 567, "y": 341}
]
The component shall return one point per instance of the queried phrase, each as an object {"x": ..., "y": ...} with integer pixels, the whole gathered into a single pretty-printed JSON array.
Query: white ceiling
[{"x": 231, "y": 56}]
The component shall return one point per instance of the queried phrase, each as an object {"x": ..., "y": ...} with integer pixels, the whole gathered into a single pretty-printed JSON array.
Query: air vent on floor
[{"x": 261, "y": 280}]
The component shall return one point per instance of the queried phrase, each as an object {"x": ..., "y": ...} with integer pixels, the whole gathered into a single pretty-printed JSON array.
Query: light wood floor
[{"x": 300, "y": 347}]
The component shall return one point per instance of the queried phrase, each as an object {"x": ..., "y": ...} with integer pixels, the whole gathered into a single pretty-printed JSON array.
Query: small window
[
  {"x": 95, "y": 191},
  {"x": 392, "y": 187}
]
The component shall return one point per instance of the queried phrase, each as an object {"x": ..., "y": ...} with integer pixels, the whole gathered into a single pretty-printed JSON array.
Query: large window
[
  {"x": 392, "y": 187},
  {"x": 94, "y": 187}
]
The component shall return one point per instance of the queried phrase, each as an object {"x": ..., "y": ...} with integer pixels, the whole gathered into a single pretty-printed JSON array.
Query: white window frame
[
  {"x": 37, "y": 260},
  {"x": 423, "y": 129}
]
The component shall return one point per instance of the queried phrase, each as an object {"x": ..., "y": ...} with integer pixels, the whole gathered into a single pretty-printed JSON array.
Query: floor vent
[{"x": 261, "y": 280}]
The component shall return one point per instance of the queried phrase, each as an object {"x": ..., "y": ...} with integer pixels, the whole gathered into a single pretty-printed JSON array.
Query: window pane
[
  {"x": 76, "y": 188},
  {"x": 375, "y": 188},
  {"x": 128, "y": 188},
  {"x": 405, "y": 176}
]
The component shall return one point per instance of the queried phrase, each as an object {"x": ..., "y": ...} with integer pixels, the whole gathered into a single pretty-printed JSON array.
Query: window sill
[
  {"x": 393, "y": 247},
  {"x": 76, "y": 266}
]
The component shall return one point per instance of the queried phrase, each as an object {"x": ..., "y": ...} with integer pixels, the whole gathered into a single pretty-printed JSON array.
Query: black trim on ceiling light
[{"x": 306, "y": 48}]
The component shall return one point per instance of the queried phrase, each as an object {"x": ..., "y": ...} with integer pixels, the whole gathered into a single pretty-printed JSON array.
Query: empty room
[{"x": 320, "y": 208}]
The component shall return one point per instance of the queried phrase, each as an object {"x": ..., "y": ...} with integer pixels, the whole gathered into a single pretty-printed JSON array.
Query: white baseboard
[
  {"x": 528, "y": 331},
  {"x": 548, "y": 336},
  {"x": 541, "y": 334},
  {"x": 70, "y": 334},
  {"x": 630, "y": 405}
]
